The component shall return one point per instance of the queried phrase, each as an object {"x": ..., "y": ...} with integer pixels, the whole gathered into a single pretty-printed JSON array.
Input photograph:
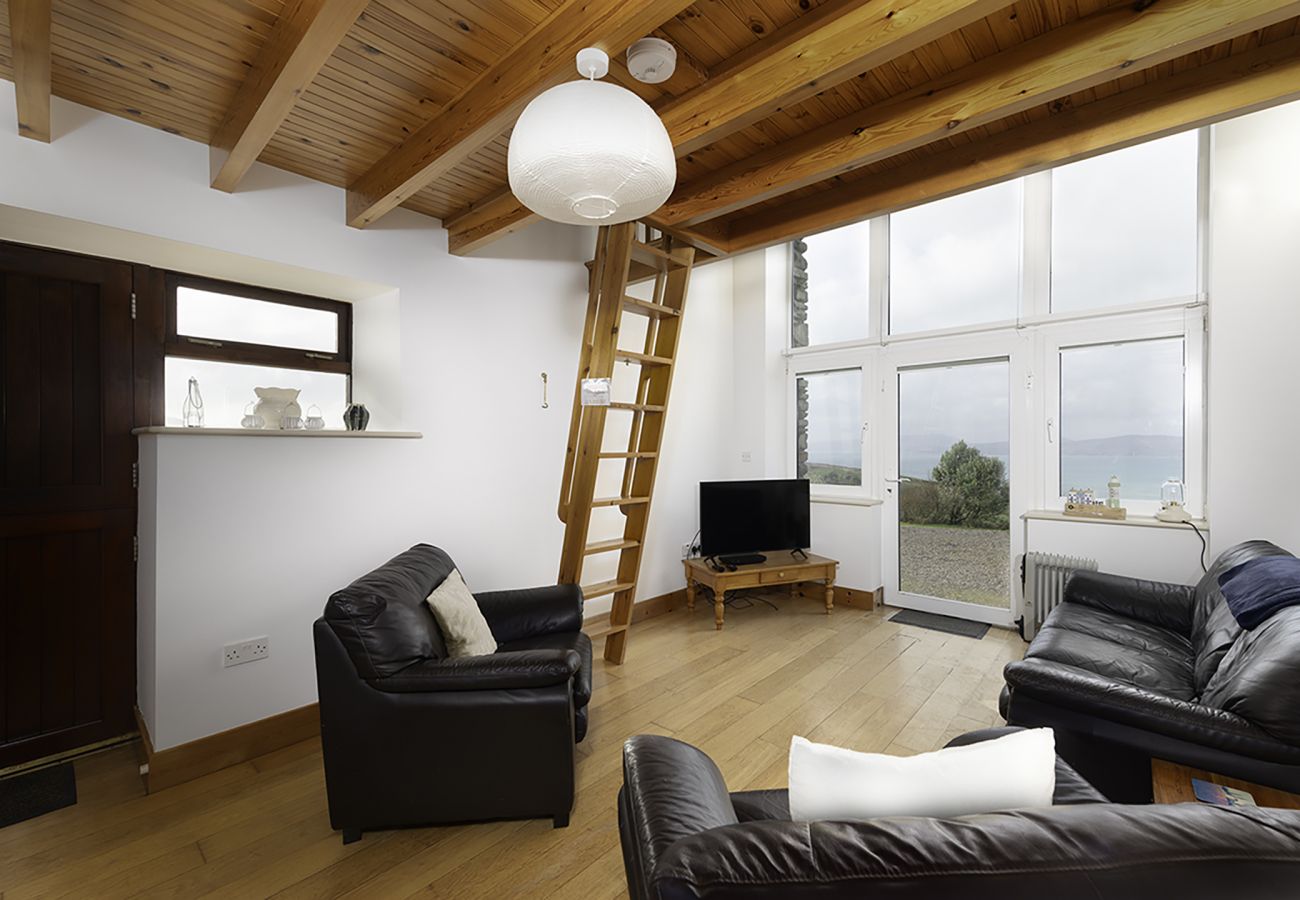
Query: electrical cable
[{"x": 1192, "y": 525}]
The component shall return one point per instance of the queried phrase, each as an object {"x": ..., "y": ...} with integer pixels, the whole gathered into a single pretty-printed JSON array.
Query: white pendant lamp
[{"x": 591, "y": 153}]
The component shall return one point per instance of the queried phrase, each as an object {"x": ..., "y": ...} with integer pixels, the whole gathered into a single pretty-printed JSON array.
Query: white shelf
[
  {"x": 268, "y": 433},
  {"x": 1055, "y": 515}
]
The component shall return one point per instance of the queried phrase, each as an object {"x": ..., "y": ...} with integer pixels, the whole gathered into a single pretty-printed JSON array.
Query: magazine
[{"x": 1220, "y": 795}]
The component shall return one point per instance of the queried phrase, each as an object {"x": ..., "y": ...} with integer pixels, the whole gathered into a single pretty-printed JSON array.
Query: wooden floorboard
[{"x": 260, "y": 829}]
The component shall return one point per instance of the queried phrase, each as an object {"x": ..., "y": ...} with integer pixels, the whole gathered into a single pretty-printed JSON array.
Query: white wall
[
  {"x": 1158, "y": 554},
  {"x": 851, "y": 535},
  {"x": 1254, "y": 328},
  {"x": 273, "y": 525}
]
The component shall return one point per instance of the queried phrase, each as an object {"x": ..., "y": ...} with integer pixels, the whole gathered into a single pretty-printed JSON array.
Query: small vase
[{"x": 356, "y": 417}]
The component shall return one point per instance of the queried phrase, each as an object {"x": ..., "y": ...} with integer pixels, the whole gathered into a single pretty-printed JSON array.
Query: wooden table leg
[
  {"x": 830, "y": 596},
  {"x": 690, "y": 595},
  {"x": 719, "y": 597}
]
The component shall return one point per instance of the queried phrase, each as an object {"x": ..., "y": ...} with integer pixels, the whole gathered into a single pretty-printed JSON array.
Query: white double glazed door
[{"x": 952, "y": 481}]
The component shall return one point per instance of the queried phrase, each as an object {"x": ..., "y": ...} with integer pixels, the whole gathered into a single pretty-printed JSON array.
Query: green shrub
[{"x": 968, "y": 489}]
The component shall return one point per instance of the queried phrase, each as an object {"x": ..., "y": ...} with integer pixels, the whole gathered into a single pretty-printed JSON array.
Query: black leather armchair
[
  {"x": 412, "y": 737},
  {"x": 684, "y": 836},
  {"x": 1125, "y": 670}
]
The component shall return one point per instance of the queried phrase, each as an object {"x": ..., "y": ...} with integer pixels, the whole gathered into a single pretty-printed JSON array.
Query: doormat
[
  {"x": 946, "y": 624},
  {"x": 33, "y": 794}
]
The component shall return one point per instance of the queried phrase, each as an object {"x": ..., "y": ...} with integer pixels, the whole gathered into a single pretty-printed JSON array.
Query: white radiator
[{"x": 1045, "y": 577}]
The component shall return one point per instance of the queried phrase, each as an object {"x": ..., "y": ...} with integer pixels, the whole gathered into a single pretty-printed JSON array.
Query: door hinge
[
  {"x": 135, "y": 475},
  {"x": 135, "y": 548},
  {"x": 133, "y": 304}
]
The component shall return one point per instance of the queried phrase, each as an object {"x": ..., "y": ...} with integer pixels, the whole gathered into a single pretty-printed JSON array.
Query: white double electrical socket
[{"x": 246, "y": 651}]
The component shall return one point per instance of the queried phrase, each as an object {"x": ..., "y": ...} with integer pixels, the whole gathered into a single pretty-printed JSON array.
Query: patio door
[{"x": 948, "y": 476}]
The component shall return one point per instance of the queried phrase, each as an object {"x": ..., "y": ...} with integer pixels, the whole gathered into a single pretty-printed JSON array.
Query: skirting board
[
  {"x": 597, "y": 625},
  {"x": 186, "y": 762}
]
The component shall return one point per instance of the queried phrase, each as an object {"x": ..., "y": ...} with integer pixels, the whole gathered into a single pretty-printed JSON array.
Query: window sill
[
  {"x": 1055, "y": 515},
  {"x": 269, "y": 433},
  {"x": 845, "y": 501}
]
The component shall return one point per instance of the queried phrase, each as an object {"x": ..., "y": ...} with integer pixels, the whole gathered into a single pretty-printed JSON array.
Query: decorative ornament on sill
[
  {"x": 1172, "y": 499},
  {"x": 274, "y": 405},
  {"x": 192, "y": 410},
  {"x": 315, "y": 421},
  {"x": 251, "y": 418},
  {"x": 591, "y": 153},
  {"x": 356, "y": 417}
]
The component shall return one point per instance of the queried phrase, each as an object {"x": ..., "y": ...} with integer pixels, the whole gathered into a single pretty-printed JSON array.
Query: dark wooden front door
[{"x": 67, "y": 503}]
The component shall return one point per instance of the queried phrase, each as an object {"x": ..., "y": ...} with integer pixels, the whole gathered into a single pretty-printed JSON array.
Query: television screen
[{"x": 753, "y": 516}]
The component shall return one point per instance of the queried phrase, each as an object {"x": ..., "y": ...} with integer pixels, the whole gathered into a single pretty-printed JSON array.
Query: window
[
  {"x": 1122, "y": 413},
  {"x": 828, "y": 427},
  {"x": 829, "y": 287},
  {"x": 233, "y": 338},
  {"x": 956, "y": 262},
  {"x": 1124, "y": 226}
]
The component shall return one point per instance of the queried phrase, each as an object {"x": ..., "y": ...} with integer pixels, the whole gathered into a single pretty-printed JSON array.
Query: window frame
[
  {"x": 253, "y": 354},
  {"x": 819, "y": 362},
  {"x": 1186, "y": 324}
]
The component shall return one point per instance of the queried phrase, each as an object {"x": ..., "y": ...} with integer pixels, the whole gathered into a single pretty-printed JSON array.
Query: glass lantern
[{"x": 1171, "y": 493}]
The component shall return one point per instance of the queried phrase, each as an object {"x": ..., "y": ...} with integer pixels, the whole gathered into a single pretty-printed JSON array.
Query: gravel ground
[{"x": 969, "y": 564}]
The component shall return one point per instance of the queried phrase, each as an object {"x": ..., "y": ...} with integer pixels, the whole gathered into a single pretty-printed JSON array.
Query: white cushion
[
  {"x": 464, "y": 629},
  {"x": 1015, "y": 771}
]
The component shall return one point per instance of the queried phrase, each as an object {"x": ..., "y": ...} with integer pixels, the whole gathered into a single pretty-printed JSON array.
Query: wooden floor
[{"x": 261, "y": 830}]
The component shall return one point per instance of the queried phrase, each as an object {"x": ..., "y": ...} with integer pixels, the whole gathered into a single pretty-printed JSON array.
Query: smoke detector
[{"x": 651, "y": 60}]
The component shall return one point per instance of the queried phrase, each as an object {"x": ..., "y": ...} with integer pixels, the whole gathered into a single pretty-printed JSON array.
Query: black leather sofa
[
  {"x": 1126, "y": 670},
  {"x": 412, "y": 737},
  {"x": 685, "y": 836}
]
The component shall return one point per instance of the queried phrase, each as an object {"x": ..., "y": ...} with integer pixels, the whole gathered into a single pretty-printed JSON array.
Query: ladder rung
[
  {"x": 651, "y": 255},
  {"x": 644, "y": 359},
  {"x": 640, "y": 454},
  {"x": 619, "y": 501},
  {"x": 614, "y": 629},
  {"x": 637, "y": 407},
  {"x": 646, "y": 308},
  {"x": 607, "y": 546},
  {"x": 601, "y": 588}
]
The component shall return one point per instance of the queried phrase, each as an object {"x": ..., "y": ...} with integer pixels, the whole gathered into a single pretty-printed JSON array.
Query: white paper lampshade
[{"x": 591, "y": 153}]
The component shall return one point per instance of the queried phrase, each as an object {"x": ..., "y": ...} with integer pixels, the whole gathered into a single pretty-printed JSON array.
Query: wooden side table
[
  {"x": 1172, "y": 783},
  {"x": 781, "y": 567}
]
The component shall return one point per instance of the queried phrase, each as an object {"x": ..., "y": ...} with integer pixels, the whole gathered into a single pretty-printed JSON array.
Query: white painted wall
[
  {"x": 1254, "y": 431},
  {"x": 851, "y": 535},
  {"x": 1158, "y": 554},
  {"x": 253, "y": 533}
]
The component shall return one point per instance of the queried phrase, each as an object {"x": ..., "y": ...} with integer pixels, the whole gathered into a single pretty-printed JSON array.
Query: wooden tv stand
[{"x": 781, "y": 567}]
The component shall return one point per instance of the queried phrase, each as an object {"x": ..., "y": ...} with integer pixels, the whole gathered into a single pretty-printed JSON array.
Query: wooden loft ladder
[{"x": 620, "y": 256}]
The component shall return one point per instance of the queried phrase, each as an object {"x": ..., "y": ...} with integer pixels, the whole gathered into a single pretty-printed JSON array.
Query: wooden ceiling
[{"x": 790, "y": 116}]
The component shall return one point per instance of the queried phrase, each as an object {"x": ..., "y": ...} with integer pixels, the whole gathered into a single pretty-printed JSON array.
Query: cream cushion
[
  {"x": 464, "y": 629},
  {"x": 1015, "y": 771}
]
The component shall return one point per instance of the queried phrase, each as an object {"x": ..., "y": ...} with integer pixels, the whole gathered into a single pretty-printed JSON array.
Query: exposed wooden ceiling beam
[
  {"x": 1083, "y": 54},
  {"x": 300, "y": 43},
  {"x": 488, "y": 106},
  {"x": 834, "y": 42},
  {"x": 831, "y": 44},
  {"x": 485, "y": 220},
  {"x": 1256, "y": 79},
  {"x": 29, "y": 31}
]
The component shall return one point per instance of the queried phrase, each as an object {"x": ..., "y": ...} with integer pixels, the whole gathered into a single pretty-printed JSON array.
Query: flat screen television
[{"x": 748, "y": 517}]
